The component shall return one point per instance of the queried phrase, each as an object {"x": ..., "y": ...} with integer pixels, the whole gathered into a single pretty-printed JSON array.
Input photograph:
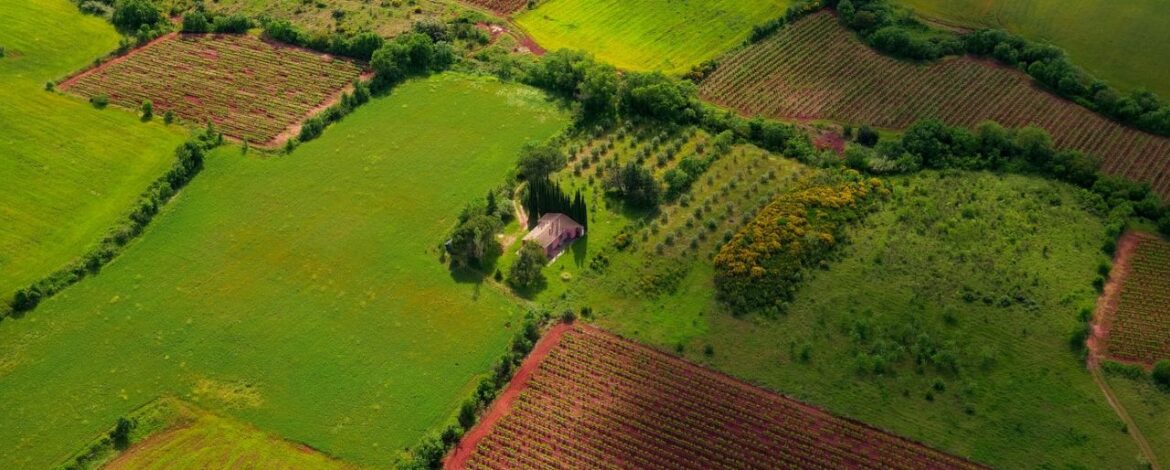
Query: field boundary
[
  {"x": 1131, "y": 426},
  {"x": 500, "y": 407}
]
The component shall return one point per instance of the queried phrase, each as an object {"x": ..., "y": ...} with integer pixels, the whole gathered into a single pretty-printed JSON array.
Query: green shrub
[{"x": 1161, "y": 374}]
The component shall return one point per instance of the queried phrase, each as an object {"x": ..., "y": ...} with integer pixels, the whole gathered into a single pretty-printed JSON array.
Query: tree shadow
[{"x": 580, "y": 249}]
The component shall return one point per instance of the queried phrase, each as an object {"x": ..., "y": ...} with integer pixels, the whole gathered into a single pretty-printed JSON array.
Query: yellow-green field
[
  {"x": 1122, "y": 42},
  {"x": 302, "y": 294},
  {"x": 70, "y": 171},
  {"x": 666, "y": 35},
  {"x": 211, "y": 441}
]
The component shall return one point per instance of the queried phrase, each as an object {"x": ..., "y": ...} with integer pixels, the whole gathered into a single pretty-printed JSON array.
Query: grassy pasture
[
  {"x": 930, "y": 264},
  {"x": 670, "y": 36},
  {"x": 70, "y": 171},
  {"x": 302, "y": 294},
  {"x": 252, "y": 90},
  {"x": 1123, "y": 43}
]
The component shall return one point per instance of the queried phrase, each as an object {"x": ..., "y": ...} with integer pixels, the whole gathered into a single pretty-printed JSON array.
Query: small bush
[
  {"x": 1161, "y": 374},
  {"x": 100, "y": 101}
]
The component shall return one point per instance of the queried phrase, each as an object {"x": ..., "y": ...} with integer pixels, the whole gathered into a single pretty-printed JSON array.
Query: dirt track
[
  {"x": 457, "y": 459},
  {"x": 1097, "y": 342}
]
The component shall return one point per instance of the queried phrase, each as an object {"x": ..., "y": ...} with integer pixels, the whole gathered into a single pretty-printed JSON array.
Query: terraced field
[
  {"x": 253, "y": 90},
  {"x": 816, "y": 69},
  {"x": 1140, "y": 329},
  {"x": 598, "y": 401}
]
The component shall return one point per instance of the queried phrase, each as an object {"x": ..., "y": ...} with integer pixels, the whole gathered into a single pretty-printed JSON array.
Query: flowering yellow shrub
[{"x": 762, "y": 265}]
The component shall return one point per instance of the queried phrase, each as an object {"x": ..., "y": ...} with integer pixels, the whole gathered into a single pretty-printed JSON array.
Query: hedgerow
[{"x": 188, "y": 163}]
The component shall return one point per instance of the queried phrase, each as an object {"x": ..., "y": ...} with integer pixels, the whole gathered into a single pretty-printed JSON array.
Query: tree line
[{"x": 188, "y": 163}]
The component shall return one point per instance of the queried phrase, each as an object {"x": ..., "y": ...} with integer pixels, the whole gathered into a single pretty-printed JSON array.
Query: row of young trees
[
  {"x": 896, "y": 32},
  {"x": 543, "y": 196}
]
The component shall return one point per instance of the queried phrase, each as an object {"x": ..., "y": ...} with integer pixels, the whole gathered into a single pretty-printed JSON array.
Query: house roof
[{"x": 550, "y": 227}]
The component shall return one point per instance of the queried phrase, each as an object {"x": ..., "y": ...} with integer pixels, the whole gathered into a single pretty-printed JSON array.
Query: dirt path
[
  {"x": 1130, "y": 426},
  {"x": 1097, "y": 342},
  {"x": 458, "y": 457}
]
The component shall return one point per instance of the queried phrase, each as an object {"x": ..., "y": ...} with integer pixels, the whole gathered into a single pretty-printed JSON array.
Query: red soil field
[
  {"x": 817, "y": 69},
  {"x": 251, "y": 89},
  {"x": 1133, "y": 313},
  {"x": 499, "y": 6},
  {"x": 599, "y": 401}
]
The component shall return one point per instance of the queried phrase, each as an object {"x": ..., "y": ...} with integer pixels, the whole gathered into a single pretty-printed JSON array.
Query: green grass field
[
  {"x": 206, "y": 440},
  {"x": 70, "y": 171},
  {"x": 1123, "y": 43},
  {"x": 302, "y": 293},
  {"x": 666, "y": 35},
  {"x": 1149, "y": 408},
  {"x": 929, "y": 273}
]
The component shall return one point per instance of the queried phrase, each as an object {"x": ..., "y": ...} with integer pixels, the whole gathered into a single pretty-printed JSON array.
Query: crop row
[
  {"x": 500, "y": 6},
  {"x": 598, "y": 401},
  {"x": 249, "y": 88},
  {"x": 1141, "y": 329},
  {"x": 817, "y": 69}
]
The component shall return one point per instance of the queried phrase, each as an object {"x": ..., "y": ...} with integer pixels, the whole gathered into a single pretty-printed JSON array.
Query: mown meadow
[
  {"x": 921, "y": 326},
  {"x": 301, "y": 293},
  {"x": 70, "y": 171},
  {"x": 647, "y": 35},
  {"x": 1123, "y": 43}
]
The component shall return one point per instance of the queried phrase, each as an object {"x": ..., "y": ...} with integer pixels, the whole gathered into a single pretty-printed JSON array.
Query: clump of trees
[
  {"x": 473, "y": 242},
  {"x": 542, "y": 196},
  {"x": 528, "y": 269},
  {"x": 636, "y": 185},
  {"x": 410, "y": 54},
  {"x": 360, "y": 45},
  {"x": 202, "y": 21}
]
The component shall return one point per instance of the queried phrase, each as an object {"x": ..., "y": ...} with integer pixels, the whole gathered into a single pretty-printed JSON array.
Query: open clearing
[
  {"x": 670, "y": 36},
  {"x": 1136, "y": 320},
  {"x": 1123, "y": 43},
  {"x": 816, "y": 69},
  {"x": 302, "y": 294},
  {"x": 252, "y": 89},
  {"x": 925, "y": 273},
  {"x": 69, "y": 171},
  {"x": 600, "y": 401}
]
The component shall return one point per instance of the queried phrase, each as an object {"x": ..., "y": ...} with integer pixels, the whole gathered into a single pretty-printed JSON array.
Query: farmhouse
[{"x": 554, "y": 232}]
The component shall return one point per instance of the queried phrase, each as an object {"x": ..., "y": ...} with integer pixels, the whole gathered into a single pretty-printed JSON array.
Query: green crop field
[
  {"x": 1123, "y": 43},
  {"x": 924, "y": 274},
  {"x": 70, "y": 171},
  {"x": 670, "y": 36},
  {"x": 301, "y": 293}
]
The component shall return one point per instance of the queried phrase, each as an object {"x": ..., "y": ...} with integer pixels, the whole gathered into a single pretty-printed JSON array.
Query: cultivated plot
[
  {"x": 1122, "y": 43},
  {"x": 669, "y": 36},
  {"x": 500, "y": 6},
  {"x": 598, "y": 401},
  {"x": 816, "y": 69},
  {"x": 1137, "y": 323},
  {"x": 251, "y": 89}
]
